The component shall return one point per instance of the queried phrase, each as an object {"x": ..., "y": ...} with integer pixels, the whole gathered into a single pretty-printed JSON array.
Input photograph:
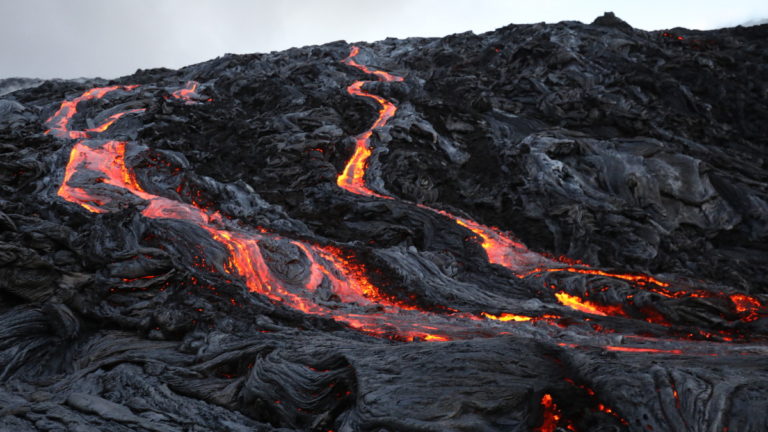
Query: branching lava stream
[{"x": 99, "y": 177}]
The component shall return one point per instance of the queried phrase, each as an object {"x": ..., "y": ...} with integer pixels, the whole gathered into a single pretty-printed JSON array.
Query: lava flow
[
  {"x": 499, "y": 247},
  {"x": 304, "y": 252},
  {"x": 98, "y": 178},
  {"x": 352, "y": 178},
  {"x": 59, "y": 121}
]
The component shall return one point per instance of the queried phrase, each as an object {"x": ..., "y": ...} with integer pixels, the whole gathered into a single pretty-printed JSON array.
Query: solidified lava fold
[{"x": 555, "y": 227}]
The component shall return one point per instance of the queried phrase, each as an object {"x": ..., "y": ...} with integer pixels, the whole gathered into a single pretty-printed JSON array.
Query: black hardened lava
[{"x": 542, "y": 228}]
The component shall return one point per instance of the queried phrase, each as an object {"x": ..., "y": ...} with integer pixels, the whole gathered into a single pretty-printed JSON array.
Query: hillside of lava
[{"x": 547, "y": 227}]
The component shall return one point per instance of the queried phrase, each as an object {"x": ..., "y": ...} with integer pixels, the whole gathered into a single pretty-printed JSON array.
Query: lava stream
[
  {"x": 59, "y": 121},
  {"x": 114, "y": 179},
  {"x": 98, "y": 178},
  {"x": 500, "y": 248},
  {"x": 352, "y": 178}
]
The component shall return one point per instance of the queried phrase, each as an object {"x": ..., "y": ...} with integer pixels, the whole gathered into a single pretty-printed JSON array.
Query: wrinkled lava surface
[{"x": 543, "y": 227}]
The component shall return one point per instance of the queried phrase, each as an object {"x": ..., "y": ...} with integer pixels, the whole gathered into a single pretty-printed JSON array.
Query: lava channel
[
  {"x": 502, "y": 249},
  {"x": 98, "y": 178}
]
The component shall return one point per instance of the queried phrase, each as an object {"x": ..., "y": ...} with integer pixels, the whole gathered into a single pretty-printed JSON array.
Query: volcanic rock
[{"x": 543, "y": 227}]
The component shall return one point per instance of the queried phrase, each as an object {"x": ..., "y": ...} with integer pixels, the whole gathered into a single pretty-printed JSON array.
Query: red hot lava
[
  {"x": 327, "y": 265},
  {"x": 352, "y": 178},
  {"x": 500, "y": 248},
  {"x": 97, "y": 174},
  {"x": 551, "y": 416},
  {"x": 59, "y": 121},
  {"x": 99, "y": 178}
]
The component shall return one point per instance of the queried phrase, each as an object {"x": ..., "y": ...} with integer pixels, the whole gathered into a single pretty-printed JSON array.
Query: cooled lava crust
[{"x": 542, "y": 228}]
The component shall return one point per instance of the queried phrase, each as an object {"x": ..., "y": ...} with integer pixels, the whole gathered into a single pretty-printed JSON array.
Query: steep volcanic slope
[{"x": 541, "y": 227}]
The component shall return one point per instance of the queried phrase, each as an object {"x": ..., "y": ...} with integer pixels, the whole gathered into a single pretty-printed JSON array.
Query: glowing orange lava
[
  {"x": 551, "y": 416},
  {"x": 188, "y": 93},
  {"x": 747, "y": 306},
  {"x": 500, "y": 248},
  {"x": 608, "y": 410},
  {"x": 105, "y": 176},
  {"x": 642, "y": 350},
  {"x": 352, "y": 178},
  {"x": 59, "y": 121},
  {"x": 98, "y": 177},
  {"x": 585, "y": 306},
  {"x": 507, "y": 317}
]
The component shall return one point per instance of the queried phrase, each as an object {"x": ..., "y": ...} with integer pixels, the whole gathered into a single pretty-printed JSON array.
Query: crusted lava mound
[{"x": 544, "y": 227}]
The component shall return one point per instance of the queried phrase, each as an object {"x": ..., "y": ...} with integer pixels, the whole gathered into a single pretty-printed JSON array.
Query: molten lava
[
  {"x": 499, "y": 247},
  {"x": 352, "y": 178},
  {"x": 747, "y": 306},
  {"x": 507, "y": 317},
  {"x": 585, "y": 306},
  {"x": 188, "y": 93},
  {"x": 642, "y": 350},
  {"x": 98, "y": 174},
  {"x": 98, "y": 177},
  {"x": 59, "y": 121},
  {"x": 551, "y": 416}
]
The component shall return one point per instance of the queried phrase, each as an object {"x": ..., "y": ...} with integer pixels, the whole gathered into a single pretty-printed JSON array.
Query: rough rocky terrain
[{"x": 544, "y": 227}]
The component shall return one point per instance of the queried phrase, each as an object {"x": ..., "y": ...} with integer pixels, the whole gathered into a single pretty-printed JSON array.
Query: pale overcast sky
[{"x": 109, "y": 38}]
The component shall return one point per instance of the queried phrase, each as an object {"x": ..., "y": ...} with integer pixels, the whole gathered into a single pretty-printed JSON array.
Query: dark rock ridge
[
  {"x": 629, "y": 152},
  {"x": 8, "y": 85}
]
